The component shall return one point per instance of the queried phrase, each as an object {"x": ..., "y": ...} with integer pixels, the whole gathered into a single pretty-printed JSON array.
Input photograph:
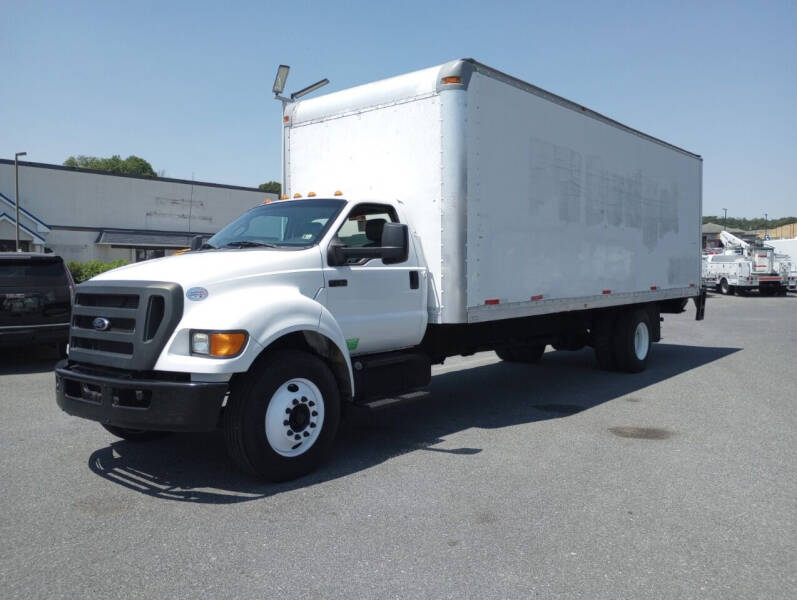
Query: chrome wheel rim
[
  {"x": 295, "y": 417},
  {"x": 641, "y": 341}
]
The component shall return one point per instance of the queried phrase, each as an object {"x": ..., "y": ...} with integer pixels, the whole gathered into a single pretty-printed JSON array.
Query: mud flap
[{"x": 700, "y": 305}]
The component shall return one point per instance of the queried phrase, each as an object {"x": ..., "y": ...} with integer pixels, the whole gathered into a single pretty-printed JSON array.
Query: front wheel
[{"x": 281, "y": 417}]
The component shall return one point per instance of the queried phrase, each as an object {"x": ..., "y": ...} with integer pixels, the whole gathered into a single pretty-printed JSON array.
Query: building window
[
  {"x": 11, "y": 245},
  {"x": 148, "y": 253}
]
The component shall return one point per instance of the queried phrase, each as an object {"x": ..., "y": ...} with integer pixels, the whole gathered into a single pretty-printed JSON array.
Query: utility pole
[
  {"x": 766, "y": 225},
  {"x": 725, "y": 219},
  {"x": 16, "y": 190}
]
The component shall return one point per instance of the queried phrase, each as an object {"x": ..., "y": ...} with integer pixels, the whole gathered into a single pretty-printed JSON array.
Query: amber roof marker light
[{"x": 278, "y": 88}]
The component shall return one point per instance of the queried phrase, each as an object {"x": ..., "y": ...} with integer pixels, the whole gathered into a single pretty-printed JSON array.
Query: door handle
[{"x": 338, "y": 282}]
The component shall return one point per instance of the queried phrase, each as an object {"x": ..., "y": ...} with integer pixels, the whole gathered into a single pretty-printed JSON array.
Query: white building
[{"x": 90, "y": 215}]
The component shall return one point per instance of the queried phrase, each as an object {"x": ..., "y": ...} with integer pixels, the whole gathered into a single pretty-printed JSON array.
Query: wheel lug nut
[
  {"x": 288, "y": 411},
  {"x": 286, "y": 423},
  {"x": 306, "y": 434},
  {"x": 311, "y": 403},
  {"x": 314, "y": 413},
  {"x": 312, "y": 424},
  {"x": 297, "y": 437},
  {"x": 289, "y": 433},
  {"x": 295, "y": 402},
  {"x": 304, "y": 398}
]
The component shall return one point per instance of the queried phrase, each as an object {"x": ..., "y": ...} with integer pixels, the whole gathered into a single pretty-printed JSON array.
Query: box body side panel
[{"x": 564, "y": 207}]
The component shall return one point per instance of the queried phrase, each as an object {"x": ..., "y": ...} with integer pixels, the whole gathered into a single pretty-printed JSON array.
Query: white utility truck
[
  {"x": 744, "y": 267},
  {"x": 439, "y": 213}
]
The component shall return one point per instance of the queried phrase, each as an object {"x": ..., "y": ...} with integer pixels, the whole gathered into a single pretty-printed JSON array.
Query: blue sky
[{"x": 187, "y": 85}]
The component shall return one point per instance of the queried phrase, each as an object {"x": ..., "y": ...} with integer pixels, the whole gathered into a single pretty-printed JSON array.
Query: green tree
[
  {"x": 132, "y": 165},
  {"x": 272, "y": 187},
  {"x": 749, "y": 224}
]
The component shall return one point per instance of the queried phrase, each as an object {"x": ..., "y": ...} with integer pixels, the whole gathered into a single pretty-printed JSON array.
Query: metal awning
[{"x": 144, "y": 239}]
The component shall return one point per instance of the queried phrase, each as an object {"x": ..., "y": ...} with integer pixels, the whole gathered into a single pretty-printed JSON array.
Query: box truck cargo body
[
  {"x": 439, "y": 213},
  {"x": 526, "y": 203}
]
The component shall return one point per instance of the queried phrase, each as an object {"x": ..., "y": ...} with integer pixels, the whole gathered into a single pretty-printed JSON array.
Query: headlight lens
[
  {"x": 200, "y": 343},
  {"x": 219, "y": 344}
]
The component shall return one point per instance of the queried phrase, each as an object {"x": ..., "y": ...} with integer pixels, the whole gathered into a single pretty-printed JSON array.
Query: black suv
[{"x": 36, "y": 292}]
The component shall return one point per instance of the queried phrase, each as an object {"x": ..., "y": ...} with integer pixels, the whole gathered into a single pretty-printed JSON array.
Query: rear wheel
[
  {"x": 282, "y": 416},
  {"x": 525, "y": 353},
  {"x": 726, "y": 288},
  {"x": 632, "y": 341},
  {"x": 135, "y": 435}
]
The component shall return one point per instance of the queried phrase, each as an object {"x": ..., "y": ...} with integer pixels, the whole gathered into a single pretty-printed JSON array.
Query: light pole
[
  {"x": 766, "y": 225},
  {"x": 16, "y": 190},
  {"x": 278, "y": 88},
  {"x": 725, "y": 219}
]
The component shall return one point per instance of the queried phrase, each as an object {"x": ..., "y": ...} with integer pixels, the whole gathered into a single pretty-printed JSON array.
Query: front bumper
[{"x": 148, "y": 404}]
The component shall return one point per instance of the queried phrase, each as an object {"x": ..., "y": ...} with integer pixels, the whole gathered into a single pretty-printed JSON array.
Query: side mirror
[
  {"x": 335, "y": 256},
  {"x": 196, "y": 242},
  {"x": 395, "y": 243},
  {"x": 394, "y": 249}
]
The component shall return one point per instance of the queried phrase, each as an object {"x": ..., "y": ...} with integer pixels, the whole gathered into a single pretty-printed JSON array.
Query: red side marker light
[
  {"x": 492, "y": 301},
  {"x": 653, "y": 288},
  {"x": 607, "y": 291},
  {"x": 537, "y": 297},
  {"x": 691, "y": 285}
]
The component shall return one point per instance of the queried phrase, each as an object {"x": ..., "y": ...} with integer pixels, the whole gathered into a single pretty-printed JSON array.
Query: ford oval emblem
[
  {"x": 196, "y": 294},
  {"x": 101, "y": 323}
]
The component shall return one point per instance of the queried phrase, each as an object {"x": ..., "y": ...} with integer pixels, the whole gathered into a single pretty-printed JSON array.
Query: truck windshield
[{"x": 293, "y": 223}]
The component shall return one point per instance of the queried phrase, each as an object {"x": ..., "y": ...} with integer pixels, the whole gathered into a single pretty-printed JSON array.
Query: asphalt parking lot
[{"x": 550, "y": 480}]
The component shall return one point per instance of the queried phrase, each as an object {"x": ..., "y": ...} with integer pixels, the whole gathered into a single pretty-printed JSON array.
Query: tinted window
[{"x": 32, "y": 273}]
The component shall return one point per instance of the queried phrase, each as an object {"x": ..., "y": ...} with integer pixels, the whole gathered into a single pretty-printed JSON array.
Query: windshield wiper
[{"x": 248, "y": 244}]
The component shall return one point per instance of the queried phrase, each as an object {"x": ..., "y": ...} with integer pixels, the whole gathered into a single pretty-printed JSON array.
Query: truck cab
[{"x": 158, "y": 346}]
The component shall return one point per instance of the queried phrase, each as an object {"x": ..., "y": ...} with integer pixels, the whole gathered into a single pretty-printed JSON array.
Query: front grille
[{"x": 117, "y": 325}]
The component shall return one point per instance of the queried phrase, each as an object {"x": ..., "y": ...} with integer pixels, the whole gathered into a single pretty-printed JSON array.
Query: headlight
[{"x": 218, "y": 344}]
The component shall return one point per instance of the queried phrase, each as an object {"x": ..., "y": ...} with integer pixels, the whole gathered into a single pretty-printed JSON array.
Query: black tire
[
  {"x": 725, "y": 288},
  {"x": 602, "y": 341},
  {"x": 134, "y": 435},
  {"x": 630, "y": 351},
  {"x": 526, "y": 353},
  {"x": 765, "y": 291},
  {"x": 244, "y": 420}
]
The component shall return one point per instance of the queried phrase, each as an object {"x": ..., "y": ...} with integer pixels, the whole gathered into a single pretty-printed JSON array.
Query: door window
[{"x": 363, "y": 226}]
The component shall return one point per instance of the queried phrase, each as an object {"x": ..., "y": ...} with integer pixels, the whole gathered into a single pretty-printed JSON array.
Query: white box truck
[{"x": 439, "y": 213}]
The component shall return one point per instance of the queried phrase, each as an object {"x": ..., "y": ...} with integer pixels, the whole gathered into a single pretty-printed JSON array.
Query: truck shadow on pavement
[{"x": 195, "y": 467}]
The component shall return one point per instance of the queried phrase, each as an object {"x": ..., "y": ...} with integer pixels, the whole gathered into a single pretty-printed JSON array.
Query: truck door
[{"x": 379, "y": 307}]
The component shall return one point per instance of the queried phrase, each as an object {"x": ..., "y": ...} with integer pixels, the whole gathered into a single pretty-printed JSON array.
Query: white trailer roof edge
[{"x": 551, "y": 97}]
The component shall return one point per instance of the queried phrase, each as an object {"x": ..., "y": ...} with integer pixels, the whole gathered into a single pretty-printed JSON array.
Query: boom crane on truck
[{"x": 744, "y": 267}]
